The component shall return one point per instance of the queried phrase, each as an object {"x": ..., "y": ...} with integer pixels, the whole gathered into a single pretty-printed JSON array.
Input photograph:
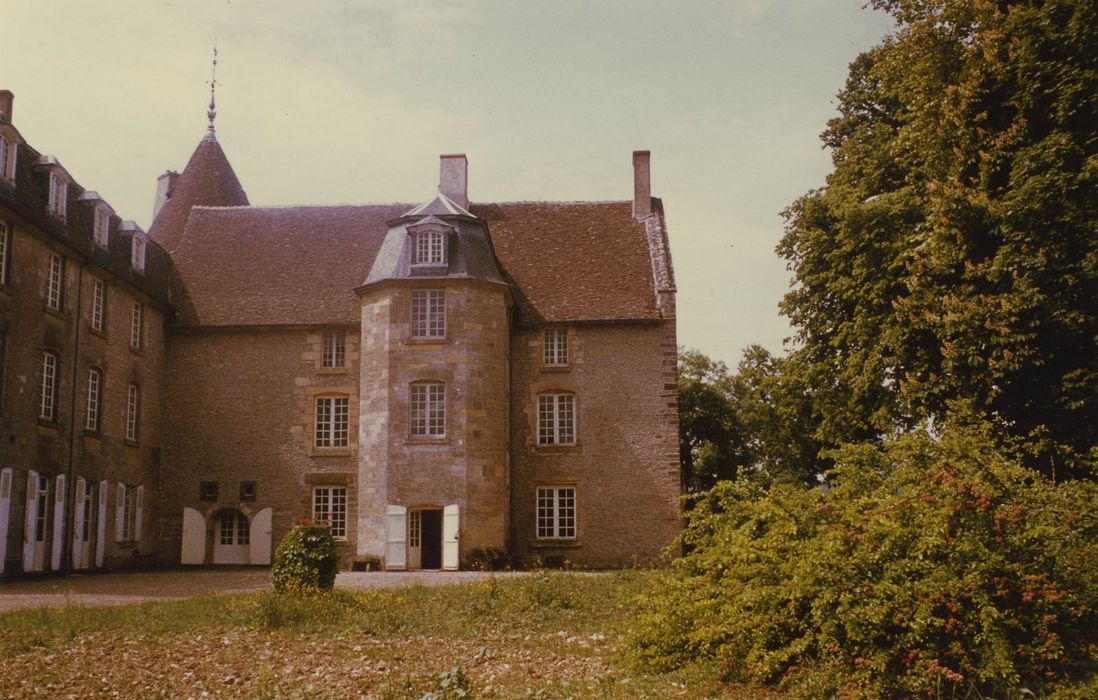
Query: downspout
[{"x": 70, "y": 484}]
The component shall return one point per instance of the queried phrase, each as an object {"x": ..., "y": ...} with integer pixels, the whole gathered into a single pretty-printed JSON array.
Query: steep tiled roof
[
  {"x": 208, "y": 180},
  {"x": 569, "y": 261}
]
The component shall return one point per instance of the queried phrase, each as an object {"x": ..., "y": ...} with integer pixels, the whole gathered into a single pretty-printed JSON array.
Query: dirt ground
[{"x": 123, "y": 588}]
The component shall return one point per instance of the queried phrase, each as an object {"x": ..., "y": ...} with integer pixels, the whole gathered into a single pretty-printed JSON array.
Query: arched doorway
[{"x": 232, "y": 537}]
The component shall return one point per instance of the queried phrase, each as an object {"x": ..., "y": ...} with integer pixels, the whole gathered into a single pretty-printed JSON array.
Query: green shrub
[
  {"x": 306, "y": 560},
  {"x": 931, "y": 567}
]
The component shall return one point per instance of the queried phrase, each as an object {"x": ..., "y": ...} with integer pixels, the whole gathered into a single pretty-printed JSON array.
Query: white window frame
[
  {"x": 133, "y": 410},
  {"x": 555, "y": 513},
  {"x": 429, "y": 248},
  {"x": 55, "y": 282},
  {"x": 5, "y": 252},
  {"x": 101, "y": 226},
  {"x": 8, "y": 149},
  {"x": 557, "y": 418},
  {"x": 95, "y": 397},
  {"x": 98, "y": 305},
  {"x": 238, "y": 532},
  {"x": 555, "y": 347},
  {"x": 429, "y": 313},
  {"x": 137, "y": 253},
  {"x": 137, "y": 323},
  {"x": 427, "y": 410},
  {"x": 332, "y": 422},
  {"x": 47, "y": 402},
  {"x": 334, "y": 350},
  {"x": 330, "y": 506},
  {"x": 59, "y": 195}
]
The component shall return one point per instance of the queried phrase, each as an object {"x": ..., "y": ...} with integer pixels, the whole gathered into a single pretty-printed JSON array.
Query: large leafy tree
[{"x": 952, "y": 254}]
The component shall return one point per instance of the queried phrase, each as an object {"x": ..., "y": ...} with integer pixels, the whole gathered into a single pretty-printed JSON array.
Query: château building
[{"x": 446, "y": 384}]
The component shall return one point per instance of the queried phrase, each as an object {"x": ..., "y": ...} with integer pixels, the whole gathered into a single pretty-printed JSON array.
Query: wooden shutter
[
  {"x": 79, "y": 490},
  {"x": 138, "y": 511},
  {"x": 5, "y": 512},
  {"x": 30, "y": 516},
  {"x": 450, "y": 538},
  {"x": 194, "y": 538},
  {"x": 58, "y": 522},
  {"x": 260, "y": 542},
  {"x": 101, "y": 525},
  {"x": 120, "y": 512},
  {"x": 396, "y": 525}
]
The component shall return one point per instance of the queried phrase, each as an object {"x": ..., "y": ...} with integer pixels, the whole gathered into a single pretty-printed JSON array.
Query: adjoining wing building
[{"x": 448, "y": 385}]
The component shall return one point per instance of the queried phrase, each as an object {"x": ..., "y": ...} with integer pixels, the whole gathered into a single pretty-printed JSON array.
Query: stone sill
[
  {"x": 427, "y": 441},
  {"x": 555, "y": 544},
  {"x": 555, "y": 369},
  {"x": 332, "y": 451},
  {"x": 427, "y": 341},
  {"x": 333, "y": 370}
]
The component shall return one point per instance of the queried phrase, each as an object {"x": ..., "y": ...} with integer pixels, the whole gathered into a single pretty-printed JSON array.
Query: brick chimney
[
  {"x": 642, "y": 185},
  {"x": 453, "y": 178},
  {"x": 7, "y": 104},
  {"x": 164, "y": 186}
]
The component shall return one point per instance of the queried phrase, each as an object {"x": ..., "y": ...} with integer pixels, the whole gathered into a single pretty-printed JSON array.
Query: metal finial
[{"x": 211, "y": 114}]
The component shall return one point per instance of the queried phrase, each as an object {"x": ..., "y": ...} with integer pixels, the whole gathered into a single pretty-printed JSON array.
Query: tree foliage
[
  {"x": 952, "y": 254},
  {"x": 930, "y": 567}
]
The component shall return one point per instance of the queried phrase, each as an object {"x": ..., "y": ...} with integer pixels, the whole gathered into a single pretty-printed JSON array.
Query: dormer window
[
  {"x": 59, "y": 191},
  {"x": 101, "y": 226},
  {"x": 7, "y": 158},
  {"x": 430, "y": 248},
  {"x": 138, "y": 253}
]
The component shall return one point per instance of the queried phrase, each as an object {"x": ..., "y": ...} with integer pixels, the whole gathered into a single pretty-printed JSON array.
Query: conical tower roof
[{"x": 208, "y": 180}]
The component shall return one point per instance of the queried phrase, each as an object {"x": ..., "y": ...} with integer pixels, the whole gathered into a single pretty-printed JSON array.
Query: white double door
[{"x": 422, "y": 538}]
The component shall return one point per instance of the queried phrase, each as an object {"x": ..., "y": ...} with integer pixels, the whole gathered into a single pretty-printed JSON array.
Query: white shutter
[
  {"x": 194, "y": 538},
  {"x": 79, "y": 490},
  {"x": 31, "y": 515},
  {"x": 139, "y": 510},
  {"x": 58, "y": 522},
  {"x": 396, "y": 525},
  {"x": 450, "y": 537},
  {"x": 119, "y": 512},
  {"x": 101, "y": 525},
  {"x": 5, "y": 513},
  {"x": 260, "y": 547}
]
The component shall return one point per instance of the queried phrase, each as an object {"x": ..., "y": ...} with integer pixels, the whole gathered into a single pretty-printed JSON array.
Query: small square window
[
  {"x": 247, "y": 490},
  {"x": 207, "y": 490}
]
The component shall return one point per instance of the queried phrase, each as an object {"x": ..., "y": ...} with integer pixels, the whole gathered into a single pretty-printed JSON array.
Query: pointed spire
[{"x": 211, "y": 113}]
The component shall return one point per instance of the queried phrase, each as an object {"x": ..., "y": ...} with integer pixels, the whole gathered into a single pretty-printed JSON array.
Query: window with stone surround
[
  {"x": 55, "y": 282},
  {"x": 330, "y": 506},
  {"x": 95, "y": 393},
  {"x": 332, "y": 422},
  {"x": 429, "y": 313},
  {"x": 427, "y": 404},
  {"x": 133, "y": 407},
  {"x": 47, "y": 403},
  {"x": 335, "y": 350},
  {"x": 556, "y": 419},
  {"x": 556, "y": 512},
  {"x": 136, "y": 325},
  {"x": 98, "y": 305},
  {"x": 430, "y": 248},
  {"x": 555, "y": 347}
]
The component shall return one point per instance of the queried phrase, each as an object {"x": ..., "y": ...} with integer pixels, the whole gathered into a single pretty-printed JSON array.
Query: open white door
[
  {"x": 58, "y": 522},
  {"x": 5, "y": 513},
  {"x": 78, "y": 516},
  {"x": 101, "y": 525},
  {"x": 29, "y": 520},
  {"x": 139, "y": 513},
  {"x": 260, "y": 542},
  {"x": 450, "y": 538},
  {"x": 396, "y": 523},
  {"x": 194, "y": 538}
]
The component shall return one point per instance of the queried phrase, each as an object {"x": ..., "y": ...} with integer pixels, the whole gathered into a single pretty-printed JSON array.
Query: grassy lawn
[{"x": 547, "y": 635}]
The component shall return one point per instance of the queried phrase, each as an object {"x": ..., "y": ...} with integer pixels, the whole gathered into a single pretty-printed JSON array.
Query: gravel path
[{"x": 123, "y": 588}]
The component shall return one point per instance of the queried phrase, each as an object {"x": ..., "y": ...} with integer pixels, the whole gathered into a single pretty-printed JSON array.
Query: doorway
[
  {"x": 232, "y": 537},
  {"x": 425, "y": 539}
]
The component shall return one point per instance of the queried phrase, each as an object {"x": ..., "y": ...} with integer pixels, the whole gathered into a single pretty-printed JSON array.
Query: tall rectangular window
[
  {"x": 335, "y": 350},
  {"x": 556, "y": 512},
  {"x": 55, "y": 282},
  {"x": 98, "y": 305},
  {"x": 428, "y": 248},
  {"x": 330, "y": 506},
  {"x": 132, "y": 410},
  {"x": 47, "y": 404},
  {"x": 556, "y": 419},
  {"x": 3, "y": 366},
  {"x": 7, "y": 159},
  {"x": 59, "y": 190},
  {"x": 428, "y": 410},
  {"x": 429, "y": 313},
  {"x": 138, "y": 253},
  {"x": 102, "y": 221},
  {"x": 5, "y": 253},
  {"x": 129, "y": 512},
  {"x": 95, "y": 388},
  {"x": 332, "y": 421},
  {"x": 555, "y": 347},
  {"x": 136, "y": 323}
]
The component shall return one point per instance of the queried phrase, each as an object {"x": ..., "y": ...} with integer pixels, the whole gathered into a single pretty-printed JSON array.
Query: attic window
[
  {"x": 102, "y": 219},
  {"x": 59, "y": 190},
  {"x": 138, "y": 252},
  {"x": 7, "y": 159},
  {"x": 430, "y": 248}
]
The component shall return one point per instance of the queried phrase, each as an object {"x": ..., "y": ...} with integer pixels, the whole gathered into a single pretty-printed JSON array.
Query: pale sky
[{"x": 352, "y": 102}]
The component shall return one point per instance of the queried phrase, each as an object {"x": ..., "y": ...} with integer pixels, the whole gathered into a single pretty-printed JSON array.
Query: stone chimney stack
[
  {"x": 453, "y": 179},
  {"x": 642, "y": 184},
  {"x": 7, "y": 104},
  {"x": 164, "y": 186}
]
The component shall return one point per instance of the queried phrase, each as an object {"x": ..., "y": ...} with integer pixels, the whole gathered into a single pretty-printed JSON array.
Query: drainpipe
[{"x": 70, "y": 484}]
